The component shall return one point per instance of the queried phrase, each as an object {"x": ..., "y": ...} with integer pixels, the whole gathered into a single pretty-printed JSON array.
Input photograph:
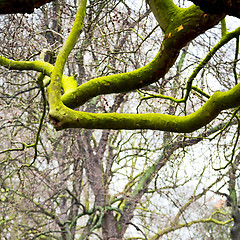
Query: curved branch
[
  {"x": 57, "y": 81},
  {"x": 185, "y": 26},
  {"x": 39, "y": 66},
  {"x": 64, "y": 117},
  {"x": 188, "y": 224},
  {"x": 163, "y": 11}
]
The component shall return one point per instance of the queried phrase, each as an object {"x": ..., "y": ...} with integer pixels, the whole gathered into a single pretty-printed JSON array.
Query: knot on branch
[{"x": 55, "y": 122}]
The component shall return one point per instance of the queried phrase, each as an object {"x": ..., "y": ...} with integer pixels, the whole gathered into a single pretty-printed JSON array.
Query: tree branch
[{"x": 20, "y": 6}]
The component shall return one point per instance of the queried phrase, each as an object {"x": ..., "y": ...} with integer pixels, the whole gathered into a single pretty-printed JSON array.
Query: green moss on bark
[
  {"x": 68, "y": 118},
  {"x": 180, "y": 26},
  {"x": 184, "y": 26}
]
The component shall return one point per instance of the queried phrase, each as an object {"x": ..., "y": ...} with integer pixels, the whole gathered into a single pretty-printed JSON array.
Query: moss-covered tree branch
[
  {"x": 67, "y": 118},
  {"x": 39, "y": 66},
  {"x": 163, "y": 11},
  {"x": 210, "y": 219},
  {"x": 184, "y": 26},
  {"x": 57, "y": 81}
]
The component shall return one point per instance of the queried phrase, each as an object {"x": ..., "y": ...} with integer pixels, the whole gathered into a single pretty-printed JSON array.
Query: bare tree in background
[{"x": 106, "y": 184}]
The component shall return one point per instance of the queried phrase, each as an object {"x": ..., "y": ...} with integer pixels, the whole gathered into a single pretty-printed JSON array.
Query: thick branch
[
  {"x": 64, "y": 117},
  {"x": 164, "y": 11},
  {"x": 187, "y": 25},
  {"x": 39, "y": 66},
  {"x": 57, "y": 81},
  {"x": 229, "y": 7},
  {"x": 20, "y": 6}
]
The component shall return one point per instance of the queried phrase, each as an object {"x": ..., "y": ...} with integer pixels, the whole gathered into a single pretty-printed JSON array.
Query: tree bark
[
  {"x": 229, "y": 7},
  {"x": 20, "y": 6},
  {"x": 235, "y": 231}
]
